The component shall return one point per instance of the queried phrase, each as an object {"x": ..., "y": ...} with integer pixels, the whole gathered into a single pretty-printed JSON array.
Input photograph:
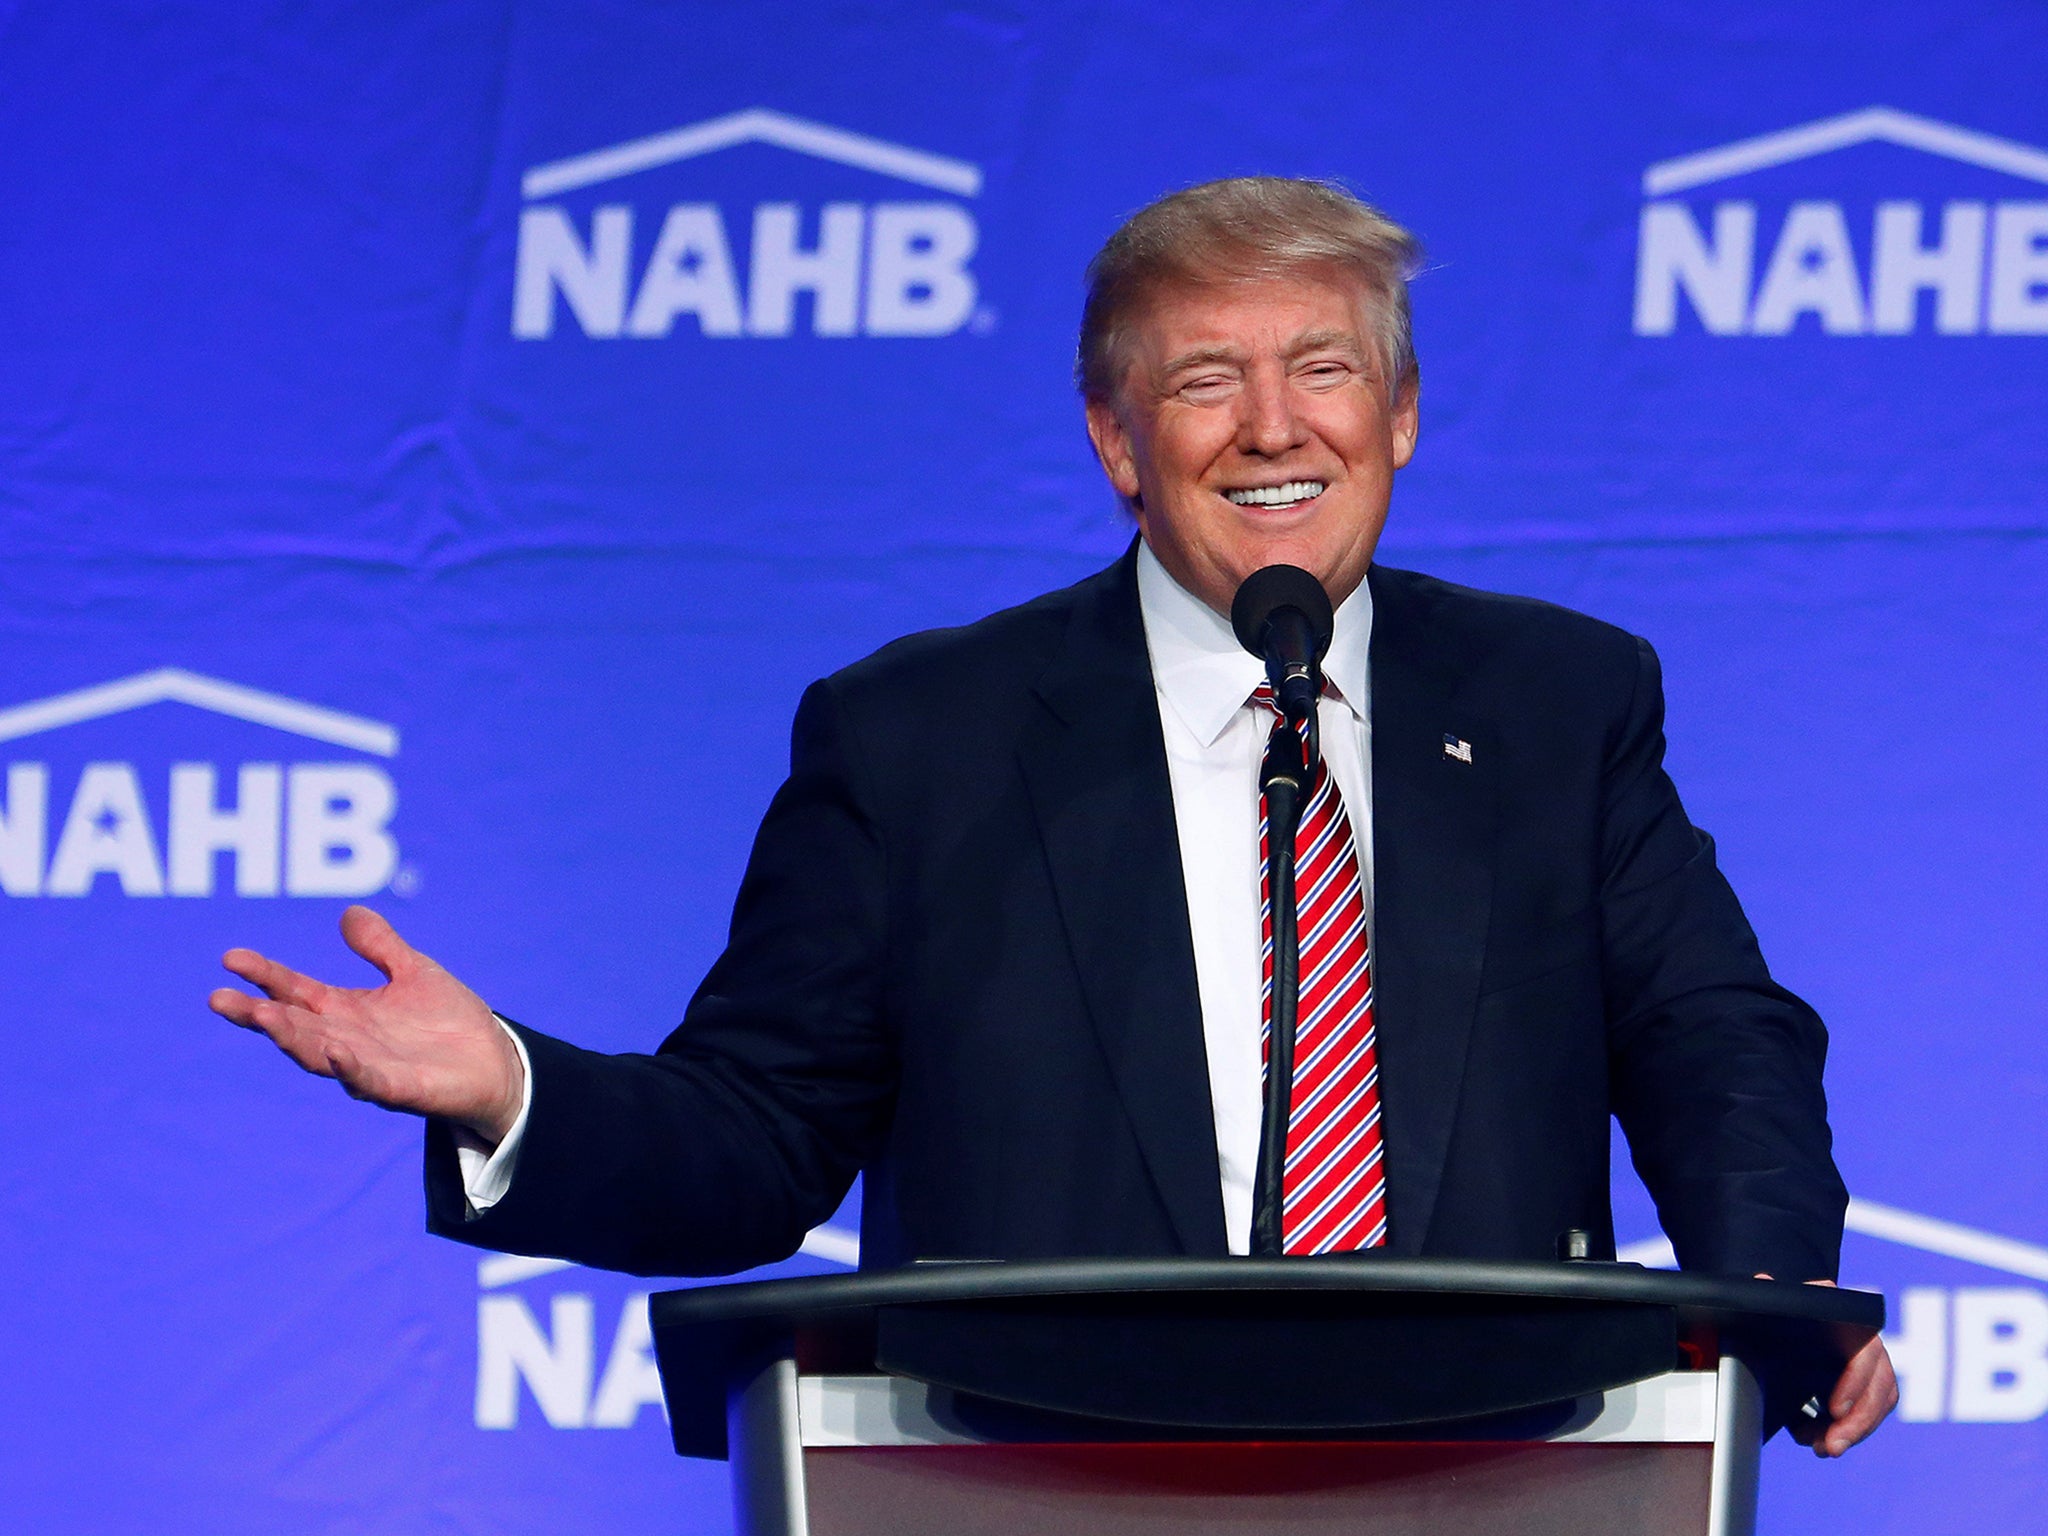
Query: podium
[{"x": 1357, "y": 1393}]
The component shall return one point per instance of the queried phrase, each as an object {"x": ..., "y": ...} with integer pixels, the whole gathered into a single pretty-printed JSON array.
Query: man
[{"x": 999, "y": 939}]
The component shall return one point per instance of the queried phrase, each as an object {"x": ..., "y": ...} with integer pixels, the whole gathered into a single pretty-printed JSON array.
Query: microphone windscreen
[{"x": 1274, "y": 587}]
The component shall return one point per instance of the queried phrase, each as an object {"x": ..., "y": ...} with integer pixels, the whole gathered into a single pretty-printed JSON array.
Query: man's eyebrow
[
  {"x": 1329, "y": 339},
  {"x": 1325, "y": 341},
  {"x": 1199, "y": 357}
]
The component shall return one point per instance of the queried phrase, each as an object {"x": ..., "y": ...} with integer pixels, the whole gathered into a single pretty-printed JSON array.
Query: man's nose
[{"x": 1269, "y": 425}]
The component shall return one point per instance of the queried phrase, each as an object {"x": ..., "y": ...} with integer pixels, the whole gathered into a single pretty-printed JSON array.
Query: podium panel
[
  {"x": 1235, "y": 1489},
  {"x": 877, "y": 1455}
]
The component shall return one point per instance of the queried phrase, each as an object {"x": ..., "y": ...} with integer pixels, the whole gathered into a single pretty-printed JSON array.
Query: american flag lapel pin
[{"x": 1457, "y": 749}]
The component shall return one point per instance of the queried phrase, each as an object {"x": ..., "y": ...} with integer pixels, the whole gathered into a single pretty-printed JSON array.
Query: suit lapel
[
  {"x": 1433, "y": 857},
  {"x": 1095, "y": 765}
]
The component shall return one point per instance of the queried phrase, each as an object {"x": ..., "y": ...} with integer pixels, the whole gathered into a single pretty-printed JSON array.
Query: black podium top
[{"x": 1290, "y": 1346}]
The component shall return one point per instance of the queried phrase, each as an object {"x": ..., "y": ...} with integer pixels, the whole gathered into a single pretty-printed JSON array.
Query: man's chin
[
  {"x": 1216, "y": 578},
  {"x": 1340, "y": 576}
]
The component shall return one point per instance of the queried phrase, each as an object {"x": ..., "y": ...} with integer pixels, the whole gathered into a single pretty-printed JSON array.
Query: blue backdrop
[{"x": 408, "y": 416}]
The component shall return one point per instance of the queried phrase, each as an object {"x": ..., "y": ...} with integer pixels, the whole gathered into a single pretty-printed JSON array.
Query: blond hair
[{"x": 1248, "y": 228}]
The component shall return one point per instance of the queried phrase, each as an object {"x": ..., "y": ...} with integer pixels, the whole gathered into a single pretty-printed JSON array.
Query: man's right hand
[{"x": 422, "y": 1042}]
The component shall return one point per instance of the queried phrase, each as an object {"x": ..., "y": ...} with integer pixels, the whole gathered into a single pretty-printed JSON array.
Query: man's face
[{"x": 1250, "y": 427}]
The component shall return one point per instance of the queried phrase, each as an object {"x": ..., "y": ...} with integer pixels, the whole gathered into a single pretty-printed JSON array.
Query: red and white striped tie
[{"x": 1335, "y": 1187}]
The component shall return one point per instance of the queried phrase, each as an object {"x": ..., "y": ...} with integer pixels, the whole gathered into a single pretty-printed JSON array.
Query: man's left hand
[{"x": 1866, "y": 1391}]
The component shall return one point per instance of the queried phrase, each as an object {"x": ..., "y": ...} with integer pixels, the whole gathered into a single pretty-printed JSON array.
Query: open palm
[{"x": 422, "y": 1042}]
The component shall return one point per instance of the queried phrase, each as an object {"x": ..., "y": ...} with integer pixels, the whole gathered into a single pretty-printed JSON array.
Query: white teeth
[{"x": 1277, "y": 495}]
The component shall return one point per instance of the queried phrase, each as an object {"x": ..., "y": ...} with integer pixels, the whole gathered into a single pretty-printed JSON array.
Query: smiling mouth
[{"x": 1280, "y": 497}]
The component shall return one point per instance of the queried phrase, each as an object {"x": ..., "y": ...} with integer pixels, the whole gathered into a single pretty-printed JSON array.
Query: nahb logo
[
  {"x": 1887, "y": 265},
  {"x": 568, "y": 1369},
  {"x": 890, "y": 267},
  {"x": 308, "y": 828}
]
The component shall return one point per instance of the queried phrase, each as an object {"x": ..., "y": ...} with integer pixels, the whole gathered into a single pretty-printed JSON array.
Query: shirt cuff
[{"x": 487, "y": 1170}]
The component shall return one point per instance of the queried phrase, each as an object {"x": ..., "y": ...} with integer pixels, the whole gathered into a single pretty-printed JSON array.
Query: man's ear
[
  {"x": 1406, "y": 422},
  {"x": 1113, "y": 448}
]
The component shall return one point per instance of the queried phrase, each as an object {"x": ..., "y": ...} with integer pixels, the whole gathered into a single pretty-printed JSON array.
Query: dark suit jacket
[{"x": 960, "y": 959}]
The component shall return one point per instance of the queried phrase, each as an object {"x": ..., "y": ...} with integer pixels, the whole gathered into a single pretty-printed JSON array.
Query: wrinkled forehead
[{"x": 1244, "y": 314}]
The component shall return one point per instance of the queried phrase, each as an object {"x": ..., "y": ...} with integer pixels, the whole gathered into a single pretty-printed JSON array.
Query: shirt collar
[{"x": 1205, "y": 676}]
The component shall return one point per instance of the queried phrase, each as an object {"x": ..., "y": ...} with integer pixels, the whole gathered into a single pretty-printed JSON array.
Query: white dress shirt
[{"x": 1215, "y": 737}]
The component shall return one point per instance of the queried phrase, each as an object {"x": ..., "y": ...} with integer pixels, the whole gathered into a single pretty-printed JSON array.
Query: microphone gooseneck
[{"x": 1283, "y": 616}]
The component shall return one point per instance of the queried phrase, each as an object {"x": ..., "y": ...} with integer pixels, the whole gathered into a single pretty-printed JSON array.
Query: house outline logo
[
  {"x": 1972, "y": 266},
  {"x": 755, "y": 125},
  {"x": 1871, "y": 125},
  {"x": 891, "y": 267},
  {"x": 834, "y": 1245},
  {"x": 175, "y": 685},
  {"x": 305, "y": 828},
  {"x": 1908, "y": 1229}
]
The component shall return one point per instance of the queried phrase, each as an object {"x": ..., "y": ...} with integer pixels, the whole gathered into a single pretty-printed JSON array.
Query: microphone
[{"x": 1283, "y": 616}]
